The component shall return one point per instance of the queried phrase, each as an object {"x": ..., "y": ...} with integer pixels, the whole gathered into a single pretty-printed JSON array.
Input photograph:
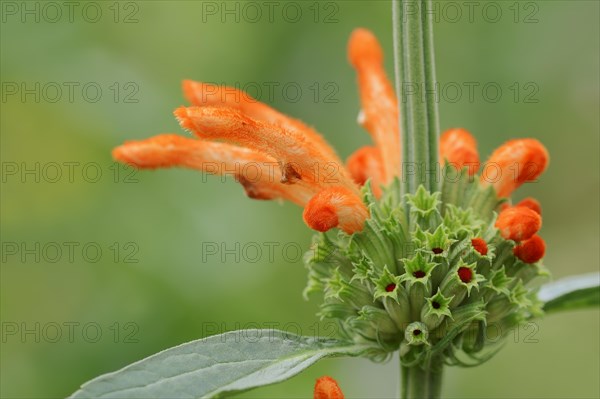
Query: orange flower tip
[
  {"x": 480, "y": 245},
  {"x": 327, "y": 388},
  {"x": 363, "y": 48},
  {"x": 532, "y": 204},
  {"x": 183, "y": 118},
  {"x": 335, "y": 207},
  {"x": 188, "y": 88},
  {"x": 531, "y": 250},
  {"x": 121, "y": 154},
  {"x": 537, "y": 162},
  {"x": 459, "y": 148},
  {"x": 457, "y": 135},
  {"x": 151, "y": 153},
  {"x": 514, "y": 163},
  {"x": 361, "y": 162},
  {"x": 518, "y": 223},
  {"x": 322, "y": 219}
]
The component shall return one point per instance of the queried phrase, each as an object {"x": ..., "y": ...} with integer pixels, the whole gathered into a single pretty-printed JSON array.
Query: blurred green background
[{"x": 137, "y": 53}]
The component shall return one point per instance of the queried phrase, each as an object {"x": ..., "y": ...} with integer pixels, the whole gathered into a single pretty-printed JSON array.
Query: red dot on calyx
[
  {"x": 437, "y": 250},
  {"x": 419, "y": 274},
  {"x": 435, "y": 305},
  {"x": 416, "y": 333},
  {"x": 465, "y": 274},
  {"x": 390, "y": 287}
]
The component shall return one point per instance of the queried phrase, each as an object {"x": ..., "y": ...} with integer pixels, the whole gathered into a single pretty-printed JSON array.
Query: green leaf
[
  {"x": 569, "y": 293},
  {"x": 215, "y": 366}
]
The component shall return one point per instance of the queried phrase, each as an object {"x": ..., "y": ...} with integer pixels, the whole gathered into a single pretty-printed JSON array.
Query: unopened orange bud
[
  {"x": 531, "y": 250},
  {"x": 459, "y": 148},
  {"x": 514, "y": 163},
  {"x": 364, "y": 164},
  {"x": 480, "y": 245},
  {"x": 532, "y": 204},
  {"x": 518, "y": 223},
  {"x": 327, "y": 388},
  {"x": 335, "y": 207}
]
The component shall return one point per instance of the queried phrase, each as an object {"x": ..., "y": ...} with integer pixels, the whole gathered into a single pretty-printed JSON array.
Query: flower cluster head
[{"x": 432, "y": 274}]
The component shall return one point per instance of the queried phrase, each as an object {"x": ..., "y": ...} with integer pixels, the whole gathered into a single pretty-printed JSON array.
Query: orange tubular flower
[
  {"x": 518, "y": 223},
  {"x": 379, "y": 115},
  {"x": 514, "y": 163},
  {"x": 257, "y": 172},
  {"x": 459, "y": 148},
  {"x": 327, "y": 388},
  {"x": 335, "y": 207},
  {"x": 531, "y": 250}
]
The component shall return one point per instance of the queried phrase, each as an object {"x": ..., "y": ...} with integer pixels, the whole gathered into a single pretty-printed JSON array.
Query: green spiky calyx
[{"x": 413, "y": 280}]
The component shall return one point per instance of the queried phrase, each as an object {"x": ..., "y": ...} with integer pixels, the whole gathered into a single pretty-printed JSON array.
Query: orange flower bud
[
  {"x": 327, "y": 388},
  {"x": 518, "y": 223},
  {"x": 531, "y": 250},
  {"x": 514, "y": 163},
  {"x": 532, "y": 204},
  {"x": 480, "y": 245},
  {"x": 459, "y": 148},
  {"x": 335, "y": 207},
  {"x": 364, "y": 164}
]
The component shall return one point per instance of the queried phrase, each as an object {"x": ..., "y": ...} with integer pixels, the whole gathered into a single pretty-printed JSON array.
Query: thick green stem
[
  {"x": 417, "y": 92},
  {"x": 418, "y": 383}
]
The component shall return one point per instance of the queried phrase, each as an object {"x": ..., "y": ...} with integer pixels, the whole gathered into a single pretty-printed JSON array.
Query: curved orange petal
[
  {"x": 208, "y": 94},
  {"x": 459, "y": 148},
  {"x": 364, "y": 164},
  {"x": 335, "y": 207},
  {"x": 514, "y": 163},
  {"x": 257, "y": 172},
  {"x": 299, "y": 158},
  {"x": 379, "y": 115}
]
